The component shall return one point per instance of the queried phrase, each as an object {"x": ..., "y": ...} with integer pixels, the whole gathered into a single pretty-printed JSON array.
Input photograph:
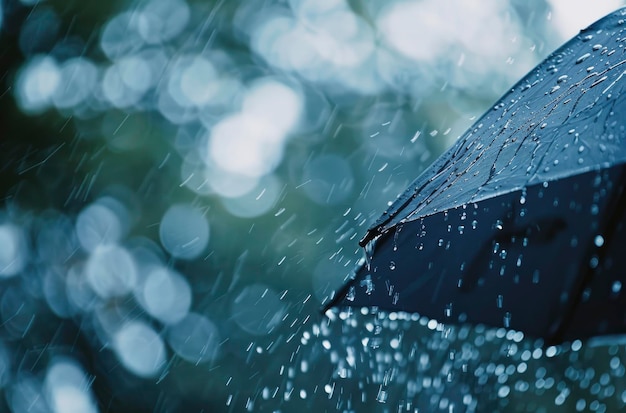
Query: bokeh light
[
  {"x": 13, "y": 255},
  {"x": 140, "y": 349},
  {"x": 166, "y": 295},
  {"x": 37, "y": 84},
  {"x": 257, "y": 309},
  {"x": 78, "y": 80},
  {"x": 111, "y": 271},
  {"x": 195, "y": 339},
  {"x": 569, "y": 17},
  {"x": 67, "y": 388},
  {"x": 184, "y": 231},
  {"x": 98, "y": 225},
  {"x": 256, "y": 202}
]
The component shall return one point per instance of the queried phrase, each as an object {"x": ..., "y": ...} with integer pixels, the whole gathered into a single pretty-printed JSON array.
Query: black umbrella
[{"x": 521, "y": 224}]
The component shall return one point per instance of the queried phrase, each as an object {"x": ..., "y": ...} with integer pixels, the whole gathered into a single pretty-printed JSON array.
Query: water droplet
[
  {"x": 582, "y": 58},
  {"x": 368, "y": 284},
  {"x": 499, "y": 300},
  {"x": 351, "y": 293},
  {"x": 382, "y": 395},
  {"x": 536, "y": 277},
  {"x": 599, "y": 241},
  {"x": 562, "y": 79},
  {"x": 597, "y": 47},
  {"x": 474, "y": 224},
  {"x": 392, "y": 265},
  {"x": 461, "y": 228},
  {"x": 499, "y": 225},
  {"x": 507, "y": 320},
  {"x": 616, "y": 287},
  {"x": 587, "y": 37}
]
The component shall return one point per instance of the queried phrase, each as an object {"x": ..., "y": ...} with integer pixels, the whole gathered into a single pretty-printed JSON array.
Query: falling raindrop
[
  {"x": 382, "y": 395},
  {"x": 507, "y": 320},
  {"x": 496, "y": 247}
]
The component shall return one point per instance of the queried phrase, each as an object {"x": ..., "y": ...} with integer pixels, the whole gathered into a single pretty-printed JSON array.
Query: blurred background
[{"x": 184, "y": 183}]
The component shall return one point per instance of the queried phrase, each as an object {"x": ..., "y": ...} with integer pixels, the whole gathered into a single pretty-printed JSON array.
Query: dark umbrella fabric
[{"x": 521, "y": 224}]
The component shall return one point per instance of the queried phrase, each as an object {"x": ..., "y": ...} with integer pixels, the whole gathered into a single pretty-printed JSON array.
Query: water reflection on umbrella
[{"x": 521, "y": 223}]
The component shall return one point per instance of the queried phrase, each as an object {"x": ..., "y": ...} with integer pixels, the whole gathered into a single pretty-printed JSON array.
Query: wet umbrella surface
[{"x": 521, "y": 224}]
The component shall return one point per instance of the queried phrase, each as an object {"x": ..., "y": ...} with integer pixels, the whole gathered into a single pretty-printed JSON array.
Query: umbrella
[{"x": 522, "y": 223}]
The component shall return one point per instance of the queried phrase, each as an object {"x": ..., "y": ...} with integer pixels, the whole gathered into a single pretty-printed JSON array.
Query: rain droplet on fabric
[
  {"x": 351, "y": 293},
  {"x": 368, "y": 284},
  {"x": 582, "y": 58}
]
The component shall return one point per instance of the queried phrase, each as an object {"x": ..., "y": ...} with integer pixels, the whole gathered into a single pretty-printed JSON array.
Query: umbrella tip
[
  {"x": 371, "y": 234},
  {"x": 366, "y": 238}
]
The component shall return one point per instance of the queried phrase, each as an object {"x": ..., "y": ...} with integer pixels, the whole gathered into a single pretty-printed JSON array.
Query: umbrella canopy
[{"x": 521, "y": 224}]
